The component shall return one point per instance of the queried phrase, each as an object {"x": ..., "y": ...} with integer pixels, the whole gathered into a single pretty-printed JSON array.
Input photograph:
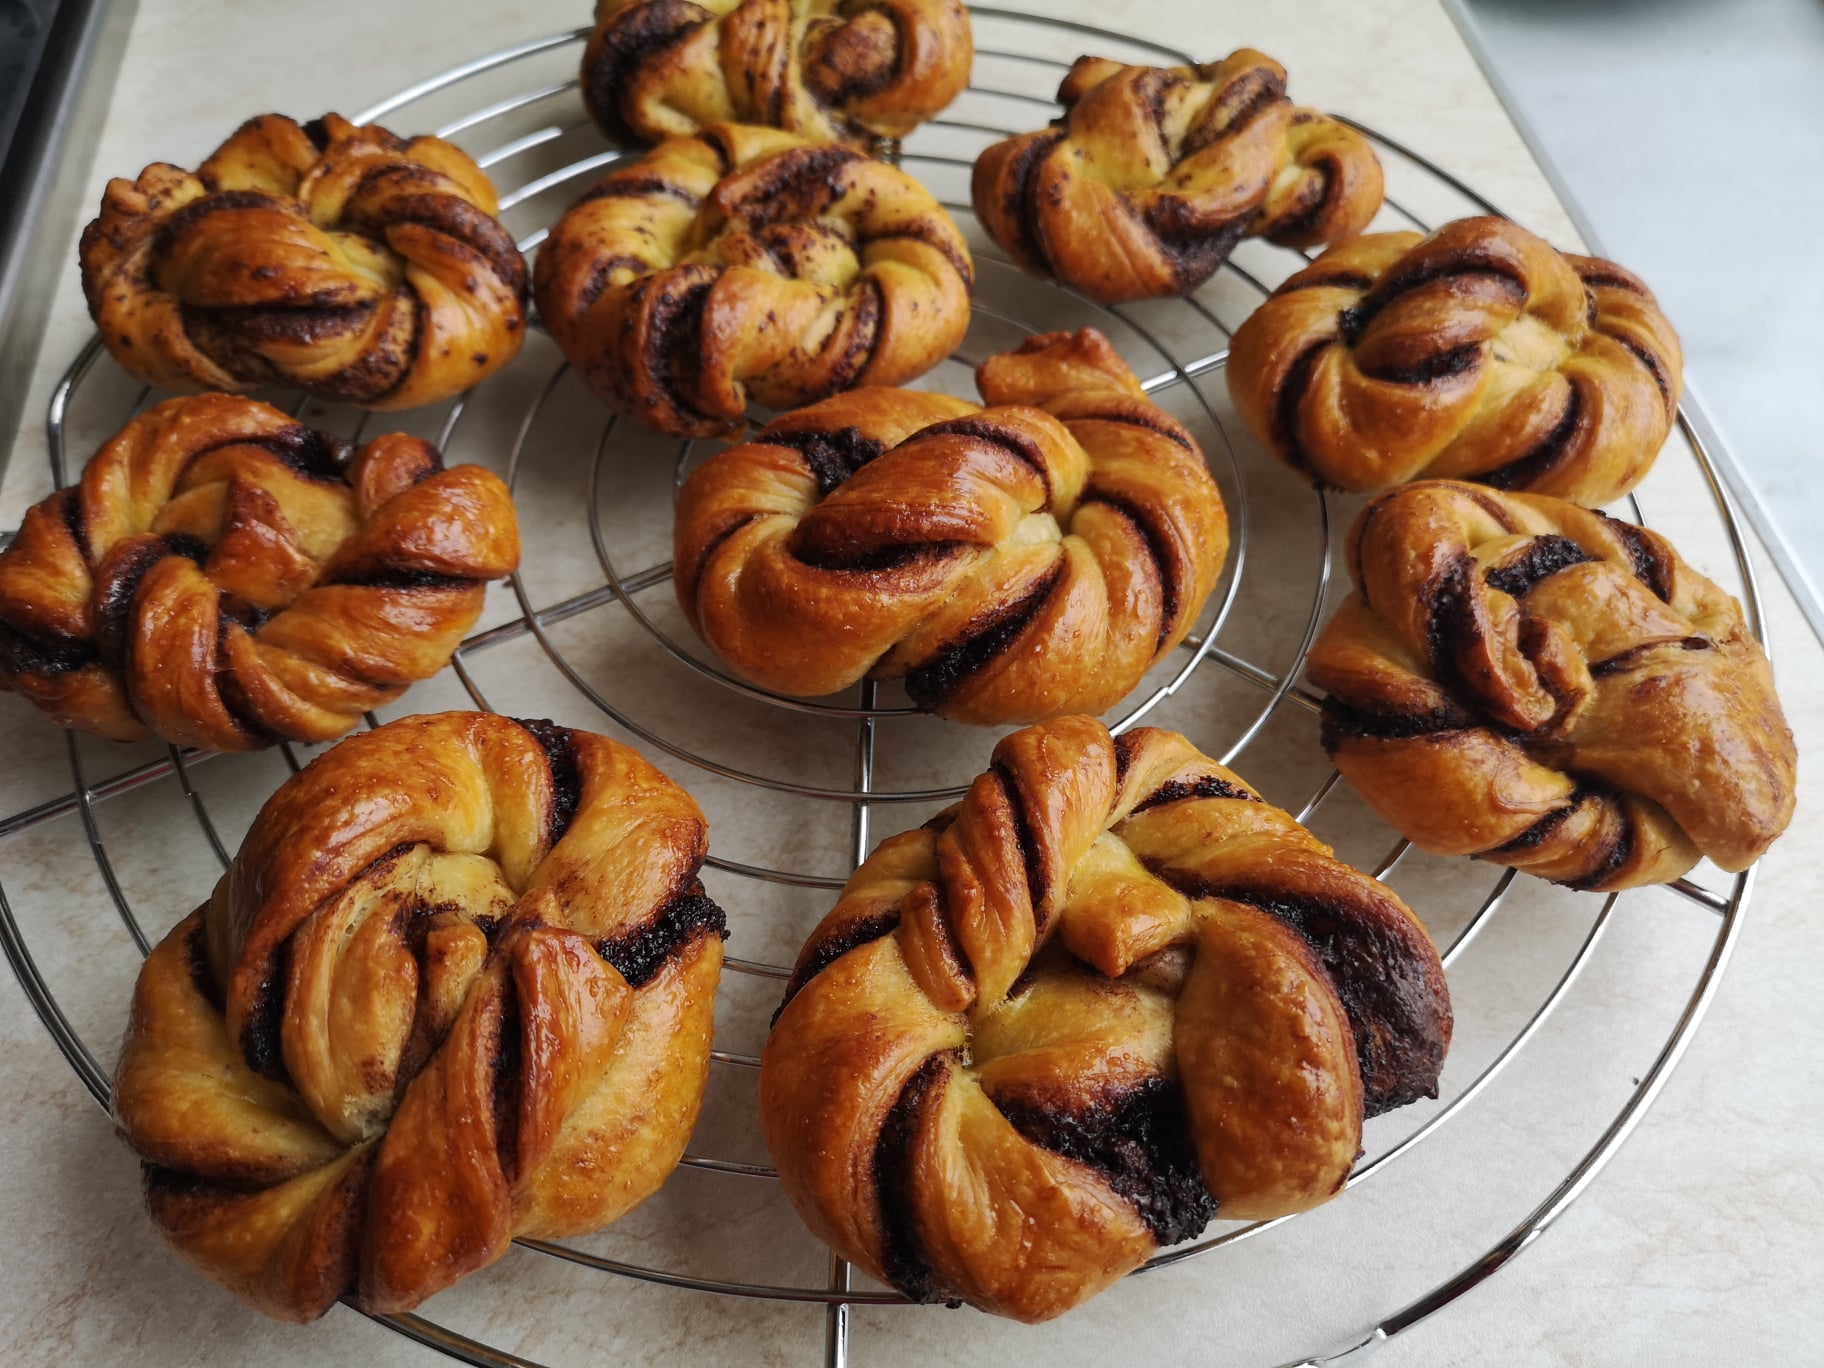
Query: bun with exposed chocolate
[
  {"x": 1153, "y": 174},
  {"x": 455, "y": 989},
  {"x": 1522, "y": 680},
  {"x": 1477, "y": 353},
  {"x": 1108, "y": 995},
  {"x": 1010, "y": 563},
  {"x": 343, "y": 261},
  {"x": 223, "y": 576},
  {"x": 747, "y": 264},
  {"x": 831, "y": 70}
]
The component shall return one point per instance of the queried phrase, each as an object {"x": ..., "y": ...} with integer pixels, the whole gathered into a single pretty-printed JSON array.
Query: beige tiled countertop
[{"x": 1699, "y": 1244}]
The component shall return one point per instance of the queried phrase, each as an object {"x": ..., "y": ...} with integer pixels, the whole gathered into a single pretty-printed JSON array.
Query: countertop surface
[
  {"x": 1608, "y": 89},
  {"x": 1699, "y": 1244}
]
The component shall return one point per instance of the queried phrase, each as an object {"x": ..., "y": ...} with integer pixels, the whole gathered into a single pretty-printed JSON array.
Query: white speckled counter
[{"x": 1697, "y": 1245}]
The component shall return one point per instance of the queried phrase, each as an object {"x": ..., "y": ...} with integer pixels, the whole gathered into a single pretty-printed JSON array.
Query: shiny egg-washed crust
[
  {"x": 831, "y": 70},
  {"x": 354, "y": 265},
  {"x": 455, "y": 988},
  {"x": 1522, "y": 680},
  {"x": 1153, "y": 174},
  {"x": 1010, "y": 563},
  {"x": 746, "y": 263},
  {"x": 1109, "y": 994},
  {"x": 1477, "y": 353},
  {"x": 225, "y": 577}
]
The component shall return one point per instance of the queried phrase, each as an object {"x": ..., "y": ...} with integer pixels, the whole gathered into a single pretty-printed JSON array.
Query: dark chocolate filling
[
  {"x": 903, "y": 1260},
  {"x": 1420, "y": 274},
  {"x": 1016, "y": 203},
  {"x": 1038, "y": 882},
  {"x": 1652, "y": 567},
  {"x": 1529, "y": 469},
  {"x": 559, "y": 746},
  {"x": 1153, "y": 422},
  {"x": 643, "y": 951},
  {"x": 1291, "y": 400},
  {"x": 507, "y": 1064},
  {"x": 1138, "y": 1139},
  {"x": 1543, "y": 557},
  {"x": 399, "y": 578},
  {"x": 1158, "y": 549},
  {"x": 1342, "y": 722},
  {"x": 631, "y": 39},
  {"x": 1205, "y": 786},
  {"x": 1536, "y": 834},
  {"x": 930, "y": 684},
  {"x": 821, "y": 954},
  {"x": 22, "y": 655},
  {"x": 1391, "y": 1010},
  {"x": 832, "y": 456},
  {"x": 1615, "y": 854},
  {"x": 1009, "y": 439},
  {"x": 1626, "y": 660}
]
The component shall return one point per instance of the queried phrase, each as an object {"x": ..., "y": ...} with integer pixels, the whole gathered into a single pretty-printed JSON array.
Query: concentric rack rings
[{"x": 1013, "y": 46}]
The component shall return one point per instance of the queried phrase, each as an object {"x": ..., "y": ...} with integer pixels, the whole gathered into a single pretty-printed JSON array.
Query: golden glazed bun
[
  {"x": 455, "y": 988},
  {"x": 748, "y": 264},
  {"x": 1153, "y": 174},
  {"x": 1477, "y": 353},
  {"x": 225, "y": 577},
  {"x": 1108, "y": 995},
  {"x": 1010, "y": 563},
  {"x": 357, "y": 266},
  {"x": 831, "y": 72},
  {"x": 1523, "y": 680}
]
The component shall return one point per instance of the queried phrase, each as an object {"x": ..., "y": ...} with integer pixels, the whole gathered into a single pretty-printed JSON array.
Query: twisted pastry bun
[
  {"x": 1153, "y": 174},
  {"x": 225, "y": 577},
  {"x": 1011, "y": 563},
  {"x": 343, "y": 261},
  {"x": 1109, "y": 994},
  {"x": 1522, "y": 680},
  {"x": 1477, "y": 353},
  {"x": 831, "y": 70},
  {"x": 746, "y": 263},
  {"x": 455, "y": 988}
]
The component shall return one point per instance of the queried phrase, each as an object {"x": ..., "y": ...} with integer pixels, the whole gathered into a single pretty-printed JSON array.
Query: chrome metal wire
[{"x": 1165, "y": 373}]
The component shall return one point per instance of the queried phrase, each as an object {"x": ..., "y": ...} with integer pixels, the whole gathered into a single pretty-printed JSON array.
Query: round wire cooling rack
[{"x": 581, "y": 625}]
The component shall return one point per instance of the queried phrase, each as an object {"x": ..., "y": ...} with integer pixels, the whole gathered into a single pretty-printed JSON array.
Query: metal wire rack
[{"x": 605, "y": 489}]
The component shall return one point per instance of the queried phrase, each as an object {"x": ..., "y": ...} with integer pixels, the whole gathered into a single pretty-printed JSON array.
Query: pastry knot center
[{"x": 376, "y": 976}]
